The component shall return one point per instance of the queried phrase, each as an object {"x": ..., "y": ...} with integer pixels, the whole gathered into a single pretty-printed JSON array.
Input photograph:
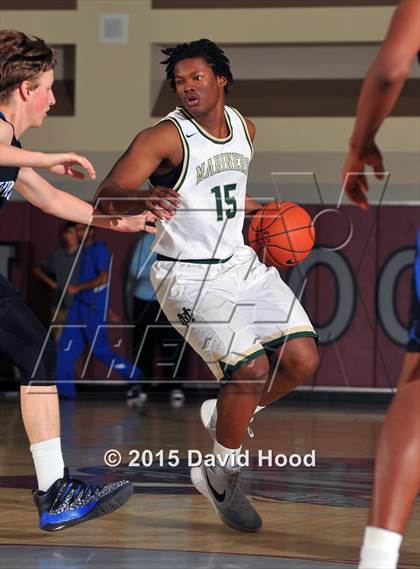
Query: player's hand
[
  {"x": 161, "y": 201},
  {"x": 131, "y": 223},
  {"x": 63, "y": 165},
  {"x": 353, "y": 175}
]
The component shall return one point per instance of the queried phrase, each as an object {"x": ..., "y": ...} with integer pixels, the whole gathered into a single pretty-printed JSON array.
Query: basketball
[{"x": 282, "y": 234}]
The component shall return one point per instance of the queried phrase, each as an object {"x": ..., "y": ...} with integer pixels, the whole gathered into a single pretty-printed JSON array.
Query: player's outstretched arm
[
  {"x": 380, "y": 91},
  {"x": 62, "y": 163},
  {"x": 119, "y": 193},
  {"x": 61, "y": 204}
]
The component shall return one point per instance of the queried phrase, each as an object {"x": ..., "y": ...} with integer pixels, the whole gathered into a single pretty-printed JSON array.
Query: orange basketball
[{"x": 282, "y": 234}]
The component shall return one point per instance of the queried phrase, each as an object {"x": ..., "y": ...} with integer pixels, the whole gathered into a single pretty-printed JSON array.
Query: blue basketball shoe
[{"x": 69, "y": 501}]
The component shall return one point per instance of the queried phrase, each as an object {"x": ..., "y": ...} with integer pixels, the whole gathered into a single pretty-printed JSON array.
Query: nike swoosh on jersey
[
  {"x": 190, "y": 135},
  {"x": 219, "y": 497}
]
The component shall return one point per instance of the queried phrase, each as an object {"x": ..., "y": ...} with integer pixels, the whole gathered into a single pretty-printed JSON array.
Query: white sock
[
  {"x": 381, "y": 549},
  {"x": 48, "y": 461},
  {"x": 221, "y": 452},
  {"x": 259, "y": 408}
]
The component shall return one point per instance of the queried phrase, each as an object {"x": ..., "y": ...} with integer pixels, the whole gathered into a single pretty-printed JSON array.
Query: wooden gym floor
[{"x": 313, "y": 517}]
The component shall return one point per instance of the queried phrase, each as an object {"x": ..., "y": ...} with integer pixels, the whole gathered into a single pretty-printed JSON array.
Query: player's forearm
[
  {"x": 377, "y": 99},
  {"x": 73, "y": 209},
  {"x": 112, "y": 199},
  {"x": 19, "y": 157},
  {"x": 51, "y": 200},
  {"x": 66, "y": 206}
]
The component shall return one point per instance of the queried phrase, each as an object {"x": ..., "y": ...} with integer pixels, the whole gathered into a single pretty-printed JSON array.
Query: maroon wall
[
  {"x": 368, "y": 353},
  {"x": 364, "y": 354}
]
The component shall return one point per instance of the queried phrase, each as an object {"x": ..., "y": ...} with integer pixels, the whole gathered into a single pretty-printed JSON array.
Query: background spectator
[{"x": 55, "y": 270}]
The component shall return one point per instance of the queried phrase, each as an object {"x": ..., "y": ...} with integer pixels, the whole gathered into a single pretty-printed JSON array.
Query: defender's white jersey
[{"x": 212, "y": 188}]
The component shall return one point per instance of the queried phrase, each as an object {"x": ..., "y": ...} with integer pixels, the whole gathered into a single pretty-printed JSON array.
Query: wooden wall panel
[
  {"x": 38, "y": 4},
  {"x": 299, "y": 97},
  {"x": 218, "y": 4}
]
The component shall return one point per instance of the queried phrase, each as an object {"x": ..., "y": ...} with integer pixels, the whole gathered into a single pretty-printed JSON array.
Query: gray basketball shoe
[{"x": 221, "y": 487}]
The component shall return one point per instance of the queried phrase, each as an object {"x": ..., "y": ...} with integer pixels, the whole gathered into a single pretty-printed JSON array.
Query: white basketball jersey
[{"x": 212, "y": 188}]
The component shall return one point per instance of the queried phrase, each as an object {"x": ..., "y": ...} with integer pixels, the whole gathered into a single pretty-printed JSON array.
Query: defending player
[
  {"x": 397, "y": 465},
  {"x": 26, "y": 78},
  {"x": 233, "y": 310}
]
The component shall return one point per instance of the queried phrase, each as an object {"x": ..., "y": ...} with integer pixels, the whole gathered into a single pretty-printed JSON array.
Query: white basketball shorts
[{"x": 229, "y": 312}]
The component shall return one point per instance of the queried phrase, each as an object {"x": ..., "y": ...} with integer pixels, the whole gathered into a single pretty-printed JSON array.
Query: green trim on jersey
[
  {"x": 206, "y": 134},
  {"x": 241, "y": 118},
  {"x": 228, "y": 369},
  {"x": 186, "y": 158}
]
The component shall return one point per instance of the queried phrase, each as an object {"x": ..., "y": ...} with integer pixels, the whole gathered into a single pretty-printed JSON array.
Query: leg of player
[
  {"x": 238, "y": 400},
  {"x": 236, "y": 405},
  {"x": 41, "y": 418},
  {"x": 61, "y": 501},
  {"x": 22, "y": 341},
  {"x": 291, "y": 365},
  {"x": 396, "y": 481}
]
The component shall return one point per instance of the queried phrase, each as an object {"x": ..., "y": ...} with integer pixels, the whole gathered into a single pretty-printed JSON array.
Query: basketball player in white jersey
[
  {"x": 237, "y": 314},
  {"x": 397, "y": 463}
]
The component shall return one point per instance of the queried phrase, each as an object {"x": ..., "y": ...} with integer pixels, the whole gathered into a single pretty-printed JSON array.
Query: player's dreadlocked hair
[{"x": 203, "y": 48}]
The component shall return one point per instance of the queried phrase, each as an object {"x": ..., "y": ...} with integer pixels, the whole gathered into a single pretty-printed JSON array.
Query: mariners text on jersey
[{"x": 227, "y": 161}]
